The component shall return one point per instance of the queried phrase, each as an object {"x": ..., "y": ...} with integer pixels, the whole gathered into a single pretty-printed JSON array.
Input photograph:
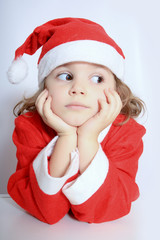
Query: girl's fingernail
[
  {"x": 111, "y": 90},
  {"x": 50, "y": 98}
]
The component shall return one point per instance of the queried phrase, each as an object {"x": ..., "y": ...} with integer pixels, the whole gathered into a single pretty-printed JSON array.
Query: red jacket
[{"x": 103, "y": 192}]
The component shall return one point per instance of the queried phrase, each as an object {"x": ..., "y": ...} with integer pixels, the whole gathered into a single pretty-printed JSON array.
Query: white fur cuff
[
  {"x": 81, "y": 189},
  {"x": 47, "y": 183}
]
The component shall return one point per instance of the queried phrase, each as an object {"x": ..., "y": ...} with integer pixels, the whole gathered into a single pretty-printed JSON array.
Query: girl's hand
[
  {"x": 43, "y": 105},
  {"x": 109, "y": 110}
]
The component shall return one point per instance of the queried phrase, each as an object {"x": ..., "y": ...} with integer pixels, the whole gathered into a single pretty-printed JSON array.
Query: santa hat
[{"x": 67, "y": 40}]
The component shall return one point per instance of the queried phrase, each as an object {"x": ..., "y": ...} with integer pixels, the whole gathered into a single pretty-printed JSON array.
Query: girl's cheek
[
  {"x": 56, "y": 103},
  {"x": 52, "y": 103}
]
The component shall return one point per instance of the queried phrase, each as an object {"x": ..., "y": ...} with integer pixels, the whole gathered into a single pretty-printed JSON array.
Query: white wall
[{"x": 135, "y": 27}]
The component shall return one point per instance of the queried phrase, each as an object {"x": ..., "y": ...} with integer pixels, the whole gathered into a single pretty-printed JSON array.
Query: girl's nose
[{"x": 77, "y": 89}]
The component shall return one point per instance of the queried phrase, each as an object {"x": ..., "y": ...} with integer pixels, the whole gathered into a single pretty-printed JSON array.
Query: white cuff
[
  {"x": 81, "y": 189},
  {"x": 48, "y": 184}
]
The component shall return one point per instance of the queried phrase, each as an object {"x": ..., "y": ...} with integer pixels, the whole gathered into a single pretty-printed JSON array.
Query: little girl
[{"x": 77, "y": 142}]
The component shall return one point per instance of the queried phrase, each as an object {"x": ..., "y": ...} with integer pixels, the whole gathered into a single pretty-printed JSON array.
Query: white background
[{"x": 135, "y": 26}]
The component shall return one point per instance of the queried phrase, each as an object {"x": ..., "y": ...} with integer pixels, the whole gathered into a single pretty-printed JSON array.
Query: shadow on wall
[{"x": 7, "y": 148}]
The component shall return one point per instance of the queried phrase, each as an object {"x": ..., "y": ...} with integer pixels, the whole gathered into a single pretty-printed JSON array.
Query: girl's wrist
[
  {"x": 72, "y": 133},
  {"x": 88, "y": 148},
  {"x": 67, "y": 135},
  {"x": 88, "y": 136}
]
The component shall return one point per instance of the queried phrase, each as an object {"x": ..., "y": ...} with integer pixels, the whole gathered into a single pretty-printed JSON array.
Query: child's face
[{"x": 75, "y": 89}]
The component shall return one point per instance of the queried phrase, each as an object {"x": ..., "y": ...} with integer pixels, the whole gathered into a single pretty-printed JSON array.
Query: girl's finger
[
  {"x": 115, "y": 103},
  {"x": 40, "y": 101},
  {"x": 41, "y": 94},
  {"x": 118, "y": 101},
  {"x": 109, "y": 96},
  {"x": 41, "y": 98},
  {"x": 103, "y": 104},
  {"x": 47, "y": 107},
  {"x": 103, "y": 108}
]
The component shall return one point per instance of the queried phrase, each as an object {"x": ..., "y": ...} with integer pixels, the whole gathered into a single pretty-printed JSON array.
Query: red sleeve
[
  {"x": 30, "y": 139},
  {"x": 122, "y": 148}
]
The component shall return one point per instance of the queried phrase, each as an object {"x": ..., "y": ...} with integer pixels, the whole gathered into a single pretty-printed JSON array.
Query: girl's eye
[
  {"x": 97, "y": 79},
  {"x": 65, "y": 76}
]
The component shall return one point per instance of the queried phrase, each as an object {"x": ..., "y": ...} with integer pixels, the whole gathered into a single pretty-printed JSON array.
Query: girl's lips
[{"x": 76, "y": 106}]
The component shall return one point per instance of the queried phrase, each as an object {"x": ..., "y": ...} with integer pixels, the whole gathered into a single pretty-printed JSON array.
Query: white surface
[{"x": 16, "y": 224}]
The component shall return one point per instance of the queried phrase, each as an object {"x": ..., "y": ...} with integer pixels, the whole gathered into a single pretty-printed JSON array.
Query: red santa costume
[{"x": 106, "y": 189}]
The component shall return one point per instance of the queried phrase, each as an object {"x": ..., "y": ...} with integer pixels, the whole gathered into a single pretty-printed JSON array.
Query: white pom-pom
[{"x": 18, "y": 71}]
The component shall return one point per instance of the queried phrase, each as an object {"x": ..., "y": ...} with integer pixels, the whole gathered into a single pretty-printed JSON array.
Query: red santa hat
[{"x": 67, "y": 40}]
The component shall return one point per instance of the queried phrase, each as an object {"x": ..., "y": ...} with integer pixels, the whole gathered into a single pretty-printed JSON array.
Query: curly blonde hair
[{"x": 132, "y": 106}]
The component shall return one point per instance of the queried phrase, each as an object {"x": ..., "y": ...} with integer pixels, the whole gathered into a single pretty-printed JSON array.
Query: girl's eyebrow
[
  {"x": 67, "y": 67},
  {"x": 64, "y": 65},
  {"x": 102, "y": 68},
  {"x": 61, "y": 68}
]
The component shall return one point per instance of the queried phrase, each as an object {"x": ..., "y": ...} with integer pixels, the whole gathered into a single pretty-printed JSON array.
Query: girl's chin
[{"x": 75, "y": 122}]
